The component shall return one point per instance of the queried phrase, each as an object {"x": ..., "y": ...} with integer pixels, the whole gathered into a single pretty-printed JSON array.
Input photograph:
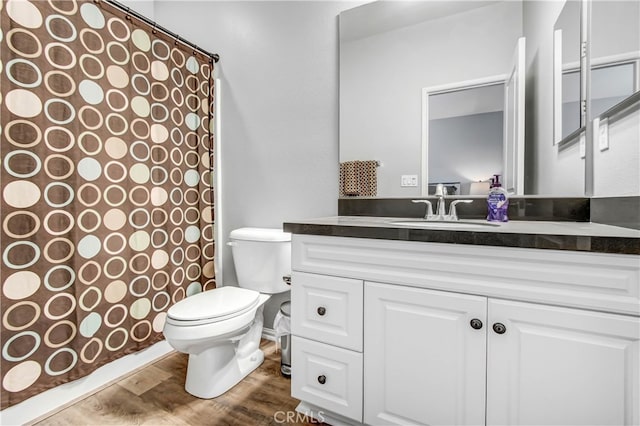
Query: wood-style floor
[{"x": 155, "y": 396}]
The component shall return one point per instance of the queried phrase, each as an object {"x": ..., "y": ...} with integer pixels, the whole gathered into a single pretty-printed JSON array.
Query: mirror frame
[{"x": 579, "y": 133}]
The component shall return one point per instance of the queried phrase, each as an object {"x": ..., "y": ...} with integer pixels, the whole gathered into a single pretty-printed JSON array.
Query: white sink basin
[{"x": 446, "y": 224}]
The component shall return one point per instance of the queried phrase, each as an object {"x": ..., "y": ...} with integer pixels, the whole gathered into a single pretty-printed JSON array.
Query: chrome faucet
[
  {"x": 453, "y": 214},
  {"x": 428, "y": 214},
  {"x": 441, "y": 192}
]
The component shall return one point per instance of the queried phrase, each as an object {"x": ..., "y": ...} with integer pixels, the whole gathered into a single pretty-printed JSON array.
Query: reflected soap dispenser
[{"x": 497, "y": 201}]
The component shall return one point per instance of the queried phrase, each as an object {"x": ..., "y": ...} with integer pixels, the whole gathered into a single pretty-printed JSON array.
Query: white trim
[
  {"x": 517, "y": 136},
  {"x": 269, "y": 334},
  {"x": 438, "y": 90},
  {"x": 47, "y": 403},
  {"x": 519, "y": 150},
  {"x": 557, "y": 86},
  {"x": 424, "y": 163},
  {"x": 617, "y": 59},
  {"x": 217, "y": 153},
  {"x": 467, "y": 84},
  {"x": 570, "y": 67}
]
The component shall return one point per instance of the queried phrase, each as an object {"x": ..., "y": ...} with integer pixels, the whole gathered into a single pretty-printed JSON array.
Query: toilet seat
[{"x": 213, "y": 306}]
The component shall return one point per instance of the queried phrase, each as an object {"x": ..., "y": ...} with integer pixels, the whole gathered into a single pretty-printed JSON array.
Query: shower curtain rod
[{"x": 214, "y": 56}]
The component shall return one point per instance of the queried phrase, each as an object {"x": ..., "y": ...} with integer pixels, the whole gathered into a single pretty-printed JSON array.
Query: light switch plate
[
  {"x": 409, "y": 180},
  {"x": 583, "y": 145},
  {"x": 603, "y": 135}
]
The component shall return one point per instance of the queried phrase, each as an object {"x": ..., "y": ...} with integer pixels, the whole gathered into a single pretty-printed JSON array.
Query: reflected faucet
[{"x": 441, "y": 191}]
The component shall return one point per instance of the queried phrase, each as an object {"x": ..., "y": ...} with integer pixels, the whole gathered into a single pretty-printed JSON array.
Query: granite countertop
[{"x": 573, "y": 236}]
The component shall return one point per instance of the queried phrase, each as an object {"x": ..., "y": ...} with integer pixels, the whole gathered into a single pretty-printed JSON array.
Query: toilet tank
[{"x": 261, "y": 256}]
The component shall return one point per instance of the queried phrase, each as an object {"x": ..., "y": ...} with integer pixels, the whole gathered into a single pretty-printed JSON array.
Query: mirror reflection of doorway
[
  {"x": 473, "y": 130},
  {"x": 466, "y": 135}
]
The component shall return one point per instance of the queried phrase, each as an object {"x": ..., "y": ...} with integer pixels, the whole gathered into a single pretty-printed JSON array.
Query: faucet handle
[
  {"x": 453, "y": 214},
  {"x": 441, "y": 191},
  {"x": 429, "y": 212}
]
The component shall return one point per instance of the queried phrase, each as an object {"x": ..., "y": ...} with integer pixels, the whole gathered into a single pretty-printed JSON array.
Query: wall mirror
[
  {"x": 614, "y": 53},
  {"x": 568, "y": 75},
  {"x": 390, "y": 52}
]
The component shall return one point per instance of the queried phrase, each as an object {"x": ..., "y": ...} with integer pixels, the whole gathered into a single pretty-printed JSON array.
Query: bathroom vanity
[{"x": 525, "y": 323}]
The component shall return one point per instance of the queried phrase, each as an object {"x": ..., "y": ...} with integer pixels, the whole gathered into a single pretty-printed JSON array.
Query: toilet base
[
  {"x": 207, "y": 384},
  {"x": 217, "y": 369}
]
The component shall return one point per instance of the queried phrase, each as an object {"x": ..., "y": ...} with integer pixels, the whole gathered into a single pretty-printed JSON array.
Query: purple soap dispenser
[{"x": 497, "y": 201}]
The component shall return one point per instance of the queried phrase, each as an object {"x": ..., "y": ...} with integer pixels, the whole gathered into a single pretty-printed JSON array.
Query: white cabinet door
[
  {"x": 561, "y": 366},
  {"x": 423, "y": 363}
]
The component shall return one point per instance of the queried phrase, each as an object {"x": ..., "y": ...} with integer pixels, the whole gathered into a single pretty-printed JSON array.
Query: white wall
[
  {"x": 549, "y": 170},
  {"x": 144, "y": 7},
  {"x": 621, "y": 15},
  {"x": 382, "y": 76},
  {"x": 279, "y": 112},
  {"x": 617, "y": 169}
]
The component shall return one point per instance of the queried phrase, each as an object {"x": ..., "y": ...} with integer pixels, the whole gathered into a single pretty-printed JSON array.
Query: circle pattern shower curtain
[{"x": 107, "y": 197}]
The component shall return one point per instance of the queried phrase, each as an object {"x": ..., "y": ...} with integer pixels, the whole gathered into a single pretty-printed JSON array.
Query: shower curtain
[{"x": 107, "y": 197}]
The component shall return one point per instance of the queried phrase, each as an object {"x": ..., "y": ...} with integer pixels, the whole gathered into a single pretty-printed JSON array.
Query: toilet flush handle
[
  {"x": 231, "y": 243},
  {"x": 287, "y": 279}
]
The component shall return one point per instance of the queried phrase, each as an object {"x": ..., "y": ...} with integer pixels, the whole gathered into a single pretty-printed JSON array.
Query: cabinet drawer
[
  {"x": 327, "y": 376},
  {"x": 327, "y": 309}
]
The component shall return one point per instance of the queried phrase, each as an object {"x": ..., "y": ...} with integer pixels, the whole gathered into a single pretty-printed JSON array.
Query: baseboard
[
  {"x": 47, "y": 403},
  {"x": 269, "y": 334}
]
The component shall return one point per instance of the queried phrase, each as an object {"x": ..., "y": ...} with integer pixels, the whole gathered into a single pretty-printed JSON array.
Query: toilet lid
[
  {"x": 260, "y": 234},
  {"x": 212, "y": 304}
]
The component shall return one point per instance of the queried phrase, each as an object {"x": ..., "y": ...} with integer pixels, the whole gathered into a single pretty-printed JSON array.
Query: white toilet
[{"x": 220, "y": 329}]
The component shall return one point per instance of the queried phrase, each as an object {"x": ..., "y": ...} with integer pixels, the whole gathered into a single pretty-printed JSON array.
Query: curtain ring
[
  {"x": 127, "y": 16},
  {"x": 153, "y": 30}
]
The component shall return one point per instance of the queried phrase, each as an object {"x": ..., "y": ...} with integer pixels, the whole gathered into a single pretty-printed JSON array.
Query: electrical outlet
[
  {"x": 409, "y": 180},
  {"x": 603, "y": 135}
]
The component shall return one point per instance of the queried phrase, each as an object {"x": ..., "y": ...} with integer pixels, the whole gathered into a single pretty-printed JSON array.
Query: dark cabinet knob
[
  {"x": 322, "y": 379},
  {"x": 321, "y": 311},
  {"x": 499, "y": 328},
  {"x": 476, "y": 324}
]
